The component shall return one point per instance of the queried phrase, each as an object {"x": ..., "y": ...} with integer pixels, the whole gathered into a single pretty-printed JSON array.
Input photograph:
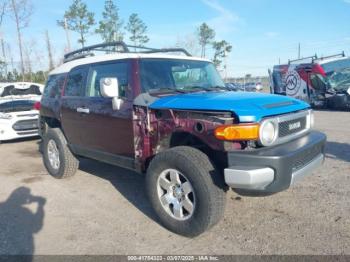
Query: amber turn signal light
[{"x": 237, "y": 132}]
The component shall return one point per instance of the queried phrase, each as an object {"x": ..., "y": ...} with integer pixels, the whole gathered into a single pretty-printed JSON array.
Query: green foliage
[
  {"x": 37, "y": 77},
  {"x": 110, "y": 28},
  {"x": 221, "y": 49},
  {"x": 137, "y": 29},
  {"x": 206, "y": 35},
  {"x": 78, "y": 19}
]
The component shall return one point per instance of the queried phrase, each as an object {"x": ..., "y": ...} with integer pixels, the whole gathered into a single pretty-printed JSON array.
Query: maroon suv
[{"x": 171, "y": 117}]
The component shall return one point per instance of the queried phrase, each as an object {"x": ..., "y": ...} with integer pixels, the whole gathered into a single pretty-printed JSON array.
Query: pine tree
[
  {"x": 78, "y": 19},
  {"x": 137, "y": 29},
  {"x": 206, "y": 35},
  {"x": 110, "y": 28},
  {"x": 221, "y": 49}
]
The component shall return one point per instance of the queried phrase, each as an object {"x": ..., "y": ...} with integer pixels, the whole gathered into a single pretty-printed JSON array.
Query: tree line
[{"x": 79, "y": 19}]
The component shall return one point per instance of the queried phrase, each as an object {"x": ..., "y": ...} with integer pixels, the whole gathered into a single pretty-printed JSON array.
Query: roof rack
[
  {"x": 315, "y": 58},
  {"x": 342, "y": 54},
  {"x": 117, "y": 47},
  {"x": 304, "y": 58}
]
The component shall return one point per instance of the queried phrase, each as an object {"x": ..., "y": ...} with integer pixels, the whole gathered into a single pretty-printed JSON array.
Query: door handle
[{"x": 83, "y": 110}]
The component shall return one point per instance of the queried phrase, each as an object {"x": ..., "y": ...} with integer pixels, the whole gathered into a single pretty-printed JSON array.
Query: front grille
[
  {"x": 291, "y": 127},
  {"x": 27, "y": 133},
  {"x": 26, "y": 125},
  {"x": 306, "y": 157}
]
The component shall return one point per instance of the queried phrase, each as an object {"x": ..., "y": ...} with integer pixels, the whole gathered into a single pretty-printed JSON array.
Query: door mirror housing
[{"x": 109, "y": 87}]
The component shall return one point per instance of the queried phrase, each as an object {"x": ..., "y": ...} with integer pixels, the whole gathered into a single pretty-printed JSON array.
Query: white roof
[{"x": 66, "y": 67}]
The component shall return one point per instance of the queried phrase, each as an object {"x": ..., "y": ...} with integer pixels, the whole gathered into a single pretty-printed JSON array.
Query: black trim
[
  {"x": 284, "y": 159},
  {"x": 115, "y": 160}
]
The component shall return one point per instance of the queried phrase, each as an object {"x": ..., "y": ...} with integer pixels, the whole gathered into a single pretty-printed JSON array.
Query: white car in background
[{"x": 19, "y": 104}]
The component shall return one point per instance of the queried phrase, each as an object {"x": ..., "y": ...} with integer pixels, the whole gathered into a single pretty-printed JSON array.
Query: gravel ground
[{"x": 103, "y": 210}]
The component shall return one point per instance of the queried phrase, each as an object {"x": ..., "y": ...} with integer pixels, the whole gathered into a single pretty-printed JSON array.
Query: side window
[
  {"x": 118, "y": 70},
  {"x": 54, "y": 85},
  {"x": 318, "y": 82},
  {"x": 280, "y": 88},
  {"x": 75, "y": 83}
]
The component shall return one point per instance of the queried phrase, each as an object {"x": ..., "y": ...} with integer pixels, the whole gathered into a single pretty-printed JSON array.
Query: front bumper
[
  {"x": 274, "y": 169},
  {"x": 21, "y": 125}
]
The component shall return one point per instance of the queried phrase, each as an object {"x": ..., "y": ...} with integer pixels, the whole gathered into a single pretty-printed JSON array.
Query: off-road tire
[
  {"x": 69, "y": 164},
  {"x": 207, "y": 183}
]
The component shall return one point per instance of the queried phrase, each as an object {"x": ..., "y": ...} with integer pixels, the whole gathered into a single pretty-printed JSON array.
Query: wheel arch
[{"x": 183, "y": 138}]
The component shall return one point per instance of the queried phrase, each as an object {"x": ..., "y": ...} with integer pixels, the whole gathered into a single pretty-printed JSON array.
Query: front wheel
[
  {"x": 185, "y": 191},
  {"x": 58, "y": 159}
]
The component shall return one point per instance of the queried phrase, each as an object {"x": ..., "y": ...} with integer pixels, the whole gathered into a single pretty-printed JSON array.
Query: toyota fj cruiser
[{"x": 171, "y": 117}]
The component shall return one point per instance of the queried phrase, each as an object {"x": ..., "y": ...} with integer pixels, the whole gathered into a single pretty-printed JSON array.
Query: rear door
[{"x": 72, "y": 102}]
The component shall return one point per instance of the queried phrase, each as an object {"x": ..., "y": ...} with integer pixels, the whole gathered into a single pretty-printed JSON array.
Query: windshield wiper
[
  {"x": 202, "y": 88},
  {"x": 165, "y": 90},
  {"x": 219, "y": 87}
]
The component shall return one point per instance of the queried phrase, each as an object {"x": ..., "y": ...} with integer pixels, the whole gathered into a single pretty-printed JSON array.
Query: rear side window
[
  {"x": 280, "y": 88},
  {"x": 54, "y": 85},
  {"x": 75, "y": 82},
  {"x": 97, "y": 72}
]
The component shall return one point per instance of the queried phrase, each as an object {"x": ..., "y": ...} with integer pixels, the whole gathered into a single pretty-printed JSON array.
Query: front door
[{"x": 105, "y": 130}]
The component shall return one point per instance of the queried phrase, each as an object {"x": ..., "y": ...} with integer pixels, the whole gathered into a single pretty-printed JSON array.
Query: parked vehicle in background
[
  {"x": 173, "y": 118},
  {"x": 259, "y": 86},
  {"x": 248, "y": 87},
  {"x": 322, "y": 82},
  {"x": 232, "y": 86},
  {"x": 19, "y": 110}
]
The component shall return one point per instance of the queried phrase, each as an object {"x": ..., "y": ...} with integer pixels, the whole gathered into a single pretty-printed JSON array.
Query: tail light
[{"x": 37, "y": 106}]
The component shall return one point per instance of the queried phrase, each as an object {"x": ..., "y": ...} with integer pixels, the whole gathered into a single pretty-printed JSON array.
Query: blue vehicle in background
[{"x": 172, "y": 118}]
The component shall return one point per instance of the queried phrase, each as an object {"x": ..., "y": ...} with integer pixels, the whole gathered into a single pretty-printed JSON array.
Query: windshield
[
  {"x": 340, "y": 80},
  {"x": 17, "y": 106},
  {"x": 338, "y": 74},
  {"x": 159, "y": 75},
  {"x": 337, "y": 65}
]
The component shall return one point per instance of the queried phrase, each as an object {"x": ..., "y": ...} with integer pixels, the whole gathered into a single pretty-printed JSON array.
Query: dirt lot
[{"x": 103, "y": 210}]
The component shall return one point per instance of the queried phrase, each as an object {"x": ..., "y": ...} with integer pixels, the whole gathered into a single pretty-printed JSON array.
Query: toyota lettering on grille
[{"x": 294, "y": 126}]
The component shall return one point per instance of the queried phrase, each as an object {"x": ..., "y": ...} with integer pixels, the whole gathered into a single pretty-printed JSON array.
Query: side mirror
[{"x": 109, "y": 87}]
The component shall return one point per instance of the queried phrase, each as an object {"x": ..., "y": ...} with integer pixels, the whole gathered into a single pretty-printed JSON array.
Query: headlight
[
  {"x": 5, "y": 116},
  {"x": 268, "y": 132}
]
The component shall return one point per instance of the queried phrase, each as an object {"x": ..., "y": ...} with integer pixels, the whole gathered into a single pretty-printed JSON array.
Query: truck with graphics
[
  {"x": 170, "y": 117},
  {"x": 323, "y": 82}
]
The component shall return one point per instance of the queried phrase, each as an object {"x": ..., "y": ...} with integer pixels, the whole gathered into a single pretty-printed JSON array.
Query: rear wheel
[
  {"x": 185, "y": 191},
  {"x": 58, "y": 159}
]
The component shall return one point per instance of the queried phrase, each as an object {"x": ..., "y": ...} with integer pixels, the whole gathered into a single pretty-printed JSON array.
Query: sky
[{"x": 262, "y": 32}]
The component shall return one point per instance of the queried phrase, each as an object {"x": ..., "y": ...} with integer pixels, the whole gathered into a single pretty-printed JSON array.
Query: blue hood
[{"x": 249, "y": 107}]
